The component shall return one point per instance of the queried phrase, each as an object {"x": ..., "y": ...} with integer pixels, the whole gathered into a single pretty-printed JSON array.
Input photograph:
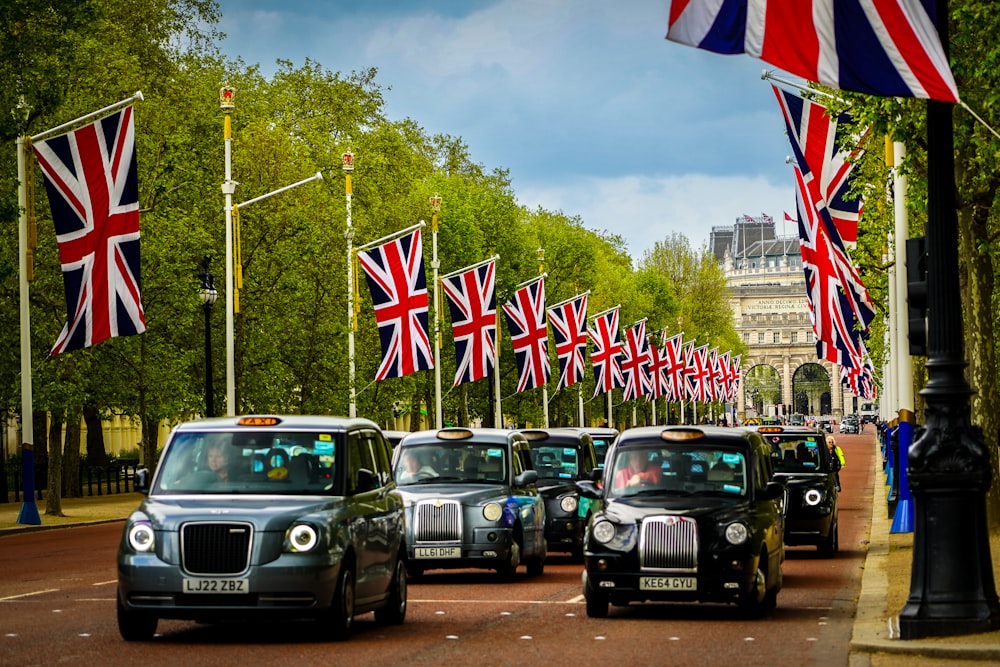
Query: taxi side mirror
[
  {"x": 525, "y": 478},
  {"x": 588, "y": 489},
  {"x": 772, "y": 491},
  {"x": 364, "y": 480},
  {"x": 141, "y": 481}
]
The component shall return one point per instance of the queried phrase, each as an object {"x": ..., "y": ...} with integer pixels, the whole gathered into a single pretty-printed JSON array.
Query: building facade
[{"x": 781, "y": 372}]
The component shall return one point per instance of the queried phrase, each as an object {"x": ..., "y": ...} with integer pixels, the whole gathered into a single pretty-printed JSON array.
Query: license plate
[
  {"x": 216, "y": 585},
  {"x": 437, "y": 552},
  {"x": 668, "y": 583}
]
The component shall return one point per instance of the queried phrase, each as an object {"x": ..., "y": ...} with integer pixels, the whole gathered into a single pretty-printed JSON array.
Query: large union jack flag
[
  {"x": 569, "y": 326},
  {"x": 529, "y": 335},
  {"x": 817, "y": 141},
  {"x": 673, "y": 350},
  {"x": 879, "y": 47},
  {"x": 472, "y": 299},
  {"x": 659, "y": 383},
  {"x": 635, "y": 363},
  {"x": 605, "y": 357},
  {"x": 93, "y": 187},
  {"x": 395, "y": 273},
  {"x": 699, "y": 374}
]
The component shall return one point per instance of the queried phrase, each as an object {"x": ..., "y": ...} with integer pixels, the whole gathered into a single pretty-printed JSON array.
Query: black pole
[
  {"x": 952, "y": 591},
  {"x": 208, "y": 300}
]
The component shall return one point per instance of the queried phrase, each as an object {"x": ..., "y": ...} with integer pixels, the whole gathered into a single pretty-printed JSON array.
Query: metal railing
[{"x": 113, "y": 478}]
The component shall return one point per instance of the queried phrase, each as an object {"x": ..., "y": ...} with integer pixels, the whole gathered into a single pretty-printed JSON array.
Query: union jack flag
[
  {"x": 861, "y": 380},
  {"x": 569, "y": 326},
  {"x": 607, "y": 350},
  {"x": 817, "y": 141},
  {"x": 635, "y": 363},
  {"x": 395, "y": 273},
  {"x": 472, "y": 300},
  {"x": 736, "y": 373},
  {"x": 673, "y": 350},
  {"x": 879, "y": 47},
  {"x": 93, "y": 187},
  {"x": 659, "y": 382},
  {"x": 529, "y": 335},
  {"x": 722, "y": 374},
  {"x": 700, "y": 375}
]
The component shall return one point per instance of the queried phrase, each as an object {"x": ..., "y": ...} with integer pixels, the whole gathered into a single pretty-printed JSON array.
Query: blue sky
[{"x": 586, "y": 104}]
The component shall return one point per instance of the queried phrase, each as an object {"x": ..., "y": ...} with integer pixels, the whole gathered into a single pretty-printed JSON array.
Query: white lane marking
[
  {"x": 526, "y": 637},
  {"x": 749, "y": 639},
  {"x": 84, "y": 634},
  {"x": 451, "y": 636},
  {"x": 105, "y": 583},
  {"x": 11, "y": 634},
  {"x": 570, "y": 601},
  {"x": 24, "y": 595},
  {"x": 575, "y": 600},
  {"x": 599, "y": 638}
]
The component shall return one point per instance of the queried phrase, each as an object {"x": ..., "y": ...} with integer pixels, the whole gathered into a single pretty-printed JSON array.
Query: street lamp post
[
  {"x": 347, "y": 164},
  {"x": 226, "y": 103},
  {"x": 208, "y": 295},
  {"x": 435, "y": 202}
]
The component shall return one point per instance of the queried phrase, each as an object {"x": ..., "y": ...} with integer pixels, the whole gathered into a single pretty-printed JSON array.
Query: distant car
[
  {"x": 265, "y": 516},
  {"x": 689, "y": 514},
  {"x": 850, "y": 424},
  {"x": 471, "y": 501},
  {"x": 395, "y": 436},
  {"x": 563, "y": 456},
  {"x": 802, "y": 462},
  {"x": 603, "y": 438}
]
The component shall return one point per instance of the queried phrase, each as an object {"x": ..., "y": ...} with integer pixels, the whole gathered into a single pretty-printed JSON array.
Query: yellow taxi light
[
  {"x": 258, "y": 421},
  {"x": 770, "y": 429},
  {"x": 682, "y": 434},
  {"x": 535, "y": 434},
  {"x": 454, "y": 434}
]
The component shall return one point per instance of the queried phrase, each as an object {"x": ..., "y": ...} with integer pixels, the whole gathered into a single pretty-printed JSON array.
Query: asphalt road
[{"x": 57, "y": 591}]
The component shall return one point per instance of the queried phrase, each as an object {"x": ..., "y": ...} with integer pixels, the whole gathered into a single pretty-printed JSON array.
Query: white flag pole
[
  {"x": 435, "y": 266},
  {"x": 347, "y": 164}
]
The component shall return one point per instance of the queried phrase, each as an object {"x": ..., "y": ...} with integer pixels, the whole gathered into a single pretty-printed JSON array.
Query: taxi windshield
[
  {"x": 677, "y": 469},
  {"x": 555, "y": 462},
  {"x": 797, "y": 453},
  {"x": 250, "y": 462},
  {"x": 434, "y": 463}
]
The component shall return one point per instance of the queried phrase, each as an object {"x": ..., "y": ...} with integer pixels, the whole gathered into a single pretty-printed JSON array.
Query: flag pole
[
  {"x": 545, "y": 384},
  {"x": 227, "y": 104},
  {"x": 94, "y": 114},
  {"x": 435, "y": 202},
  {"x": 393, "y": 236},
  {"x": 347, "y": 164}
]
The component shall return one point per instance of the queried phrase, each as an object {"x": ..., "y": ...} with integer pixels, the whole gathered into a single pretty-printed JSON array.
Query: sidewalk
[
  {"x": 885, "y": 585},
  {"x": 78, "y": 511}
]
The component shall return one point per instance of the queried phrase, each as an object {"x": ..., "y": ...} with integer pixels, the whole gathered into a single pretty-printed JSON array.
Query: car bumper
[
  {"x": 564, "y": 533},
  {"x": 811, "y": 530},
  {"x": 490, "y": 550}
]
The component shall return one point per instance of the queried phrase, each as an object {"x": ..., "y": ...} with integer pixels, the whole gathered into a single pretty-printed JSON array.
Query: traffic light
[{"x": 916, "y": 295}]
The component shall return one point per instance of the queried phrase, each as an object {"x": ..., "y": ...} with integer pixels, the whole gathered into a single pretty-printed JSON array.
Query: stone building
[{"x": 781, "y": 373}]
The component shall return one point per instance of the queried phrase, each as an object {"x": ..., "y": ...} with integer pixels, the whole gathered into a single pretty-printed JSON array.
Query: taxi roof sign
[{"x": 258, "y": 421}]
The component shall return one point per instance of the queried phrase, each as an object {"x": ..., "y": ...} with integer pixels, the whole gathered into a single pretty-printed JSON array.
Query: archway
[
  {"x": 763, "y": 390},
  {"x": 811, "y": 390}
]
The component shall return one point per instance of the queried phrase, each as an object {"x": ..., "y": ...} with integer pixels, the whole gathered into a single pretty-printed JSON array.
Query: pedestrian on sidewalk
[{"x": 837, "y": 460}]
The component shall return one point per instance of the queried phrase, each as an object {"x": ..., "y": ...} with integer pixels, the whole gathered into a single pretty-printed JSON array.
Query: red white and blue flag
[
  {"x": 605, "y": 357},
  {"x": 529, "y": 334},
  {"x": 659, "y": 383},
  {"x": 635, "y": 363},
  {"x": 736, "y": 375},
  {"x": 569, "y": 327},
  {"x": 817, "y": 142},
  {"x": 395, "y": 273},
  {"x": 699, "y": 375},
  {"x": 472, "y": 299},
  {"x": 673, "y": 350},
  {"x": 861, "y": 380},
  {"x": 878, "y": 47},
  {"x": 93, "y": 187}
]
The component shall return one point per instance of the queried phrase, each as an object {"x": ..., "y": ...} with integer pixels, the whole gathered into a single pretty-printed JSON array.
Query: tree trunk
[
  {"x": 463, "y": 405},
  {"x": 40, "y": 422},
  {"x": 96, "y": 456},
  {"x": 977, "y": 280},
  {"x": 150, "y": 442},
  {"x": 71, "y": 458},
  {"x": 53, "y": 499}
]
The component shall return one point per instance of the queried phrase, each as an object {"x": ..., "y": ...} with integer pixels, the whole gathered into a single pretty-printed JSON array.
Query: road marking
[
  {"x": 24, "y": 595},
  {"x": 576, "y": 600},
  {"x": 105, "y": 583}
]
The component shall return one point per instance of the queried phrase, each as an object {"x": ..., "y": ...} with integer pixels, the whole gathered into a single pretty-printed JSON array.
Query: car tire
[
  {"x": 394, "y": 611},
  {"x": 414, "y": 571},
  {"x": 761, "y": 599},
  {"x": 339, "y": 620},
  {"x": 135, "y": 626},
  {"x": 536, "y": 566},
  {"x": 831, "y": 545},
  {"x": 597, "y": 602},
  {"x": 508, "y": 570}
]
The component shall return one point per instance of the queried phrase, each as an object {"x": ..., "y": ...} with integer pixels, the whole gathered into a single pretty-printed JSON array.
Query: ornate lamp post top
[
  {"x": 226, "y": 96},
  {"x": 347, "y": 161},
  {"x": 207, "y": 291}
]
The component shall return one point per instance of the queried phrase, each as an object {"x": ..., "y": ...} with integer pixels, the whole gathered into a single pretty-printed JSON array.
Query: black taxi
[
  {"x": 802, "y": 462},
  {"x": 265, "y": 516},
  {"x": 603, "y": 438},
  {"x": 690, "y": 513},
  {"x": 471, "y": 501},
  {"x": 563, "y": 456}
]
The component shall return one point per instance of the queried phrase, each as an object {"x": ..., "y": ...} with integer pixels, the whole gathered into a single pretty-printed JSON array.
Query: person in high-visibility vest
[{"x": 837, "y": 460}]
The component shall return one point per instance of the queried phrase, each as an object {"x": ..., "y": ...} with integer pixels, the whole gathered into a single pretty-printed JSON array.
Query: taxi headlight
[
  {"x": 301, "y": 537},
  {"x": 141, "y": 536},
  {"x": 492, "y": 511},
  {"x": 736, "y": 533},
  {"x": 813, "y": 497},
  {"x": 569, "y": 504},
  {"x": 603, "y": 531}
]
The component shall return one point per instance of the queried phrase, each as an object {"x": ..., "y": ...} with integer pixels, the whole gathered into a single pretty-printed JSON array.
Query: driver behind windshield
[
  {"x": 637, "y": 471},
  {"x": 413, "y": 468}
]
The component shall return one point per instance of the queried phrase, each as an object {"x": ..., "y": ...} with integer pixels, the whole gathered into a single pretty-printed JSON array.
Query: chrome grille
[
  {"x": 668, "y": 544},
  {"x": 437, "y": 521},
  {"x": 216, "y": 548}
]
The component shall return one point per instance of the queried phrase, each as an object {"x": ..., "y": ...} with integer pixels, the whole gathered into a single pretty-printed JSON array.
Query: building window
[
  {"x": 795, "y": 336},
  {"x": 746, "y": 337},
  {"x": 760, "y": 337},
  {"x": 777, "y": 337}
]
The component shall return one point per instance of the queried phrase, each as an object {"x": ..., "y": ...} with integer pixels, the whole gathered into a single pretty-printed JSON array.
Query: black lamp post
[
  {"x": 952, "y": 591},
  {"x": 208, "y": 296}
]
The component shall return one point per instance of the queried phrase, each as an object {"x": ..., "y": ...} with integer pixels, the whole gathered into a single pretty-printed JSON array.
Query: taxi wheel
[
  {"x": 340, "y": 619},
  {"x": 135, "y": 626},
  {"x": 508, "y": 570},
  {"x": 597, "y": 603},
  {"x": 831, "y": 545},
  {"x": 760, "y": 599},
  {"x": 394, "y": 611},
  {"x": 536, "y": 567}
]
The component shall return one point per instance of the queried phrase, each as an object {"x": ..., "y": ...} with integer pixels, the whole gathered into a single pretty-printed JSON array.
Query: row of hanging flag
[{"x": 640, "y": 365}]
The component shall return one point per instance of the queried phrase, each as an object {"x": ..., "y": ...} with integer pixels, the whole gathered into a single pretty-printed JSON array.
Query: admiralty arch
[{"x": 781, "y": 373}]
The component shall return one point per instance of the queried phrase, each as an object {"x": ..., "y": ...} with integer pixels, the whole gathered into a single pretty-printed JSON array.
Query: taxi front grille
[
  {"x": 216, "y": 548},
  {"x": 668, "y": 544},
  {"x": 437, "y": 521}
]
